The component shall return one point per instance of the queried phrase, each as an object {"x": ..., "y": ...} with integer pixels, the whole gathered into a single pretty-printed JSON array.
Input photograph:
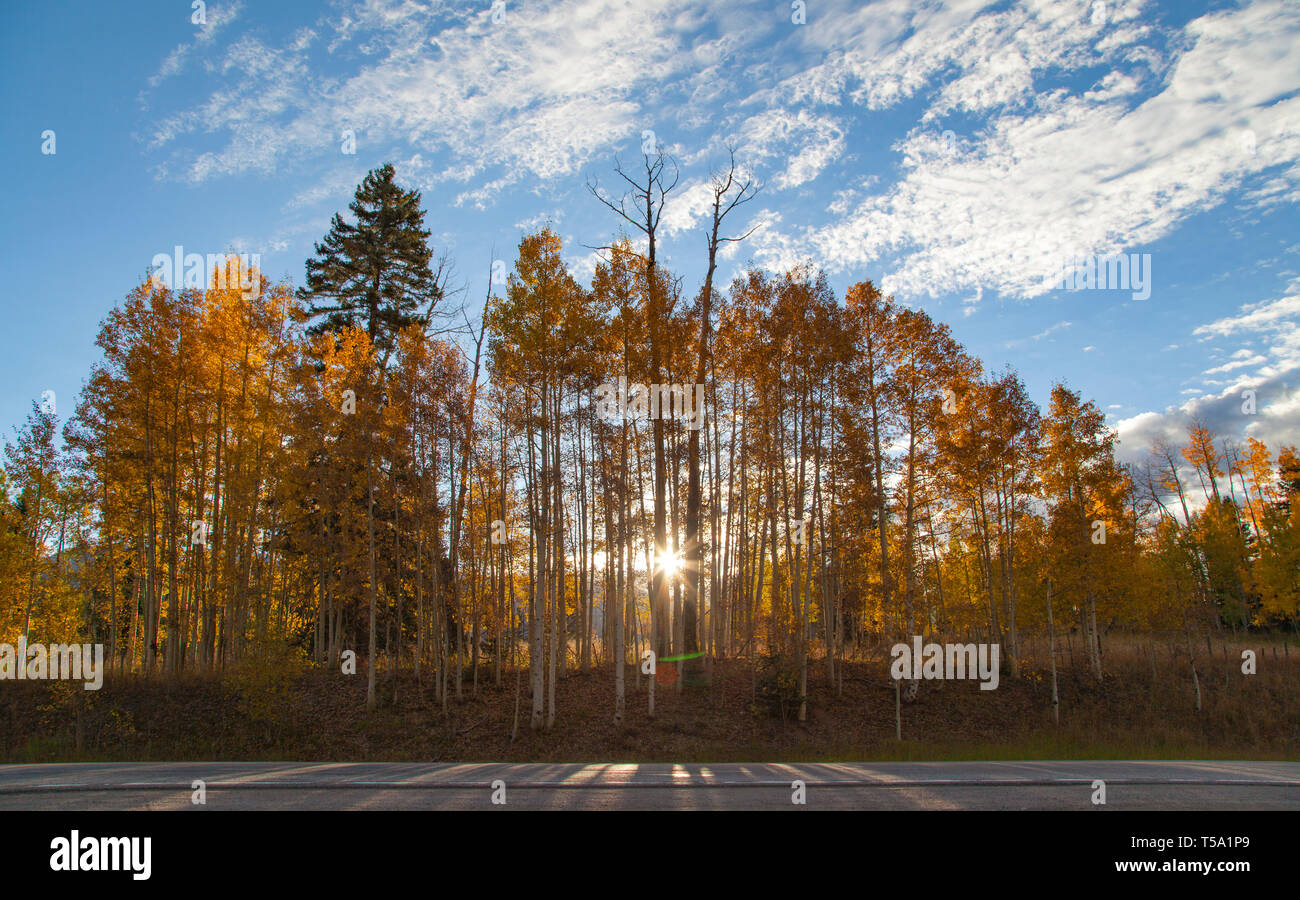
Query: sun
[{"x": 670, "y": 564}]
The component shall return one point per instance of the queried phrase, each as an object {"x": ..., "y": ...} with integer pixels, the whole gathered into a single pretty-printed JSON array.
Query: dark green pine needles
[{"x": 374, "y": 274}]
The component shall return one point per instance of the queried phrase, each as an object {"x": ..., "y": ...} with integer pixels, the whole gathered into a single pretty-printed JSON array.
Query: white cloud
[
  {"x": 217, "y": 16},
  {"x": 1273, "y": 390},
  {"x": 1237, "y": 364},
  {"x": 532, "y": 223},
  {"x": 808, "y": 141},
  {"x": 1270, "y": 314},
  {"x": 690, "y": 205},
  {"x": 540, "y": 93},
  {"x": 1276, "y": 421},
  {"x": 1273, "y": 323},
  {"x": 1050, "y": 329},
  {"x": 1058, "y": 162},
  {"x": 1054, "y": 173},
  {"x": 1035, "y": 338}
]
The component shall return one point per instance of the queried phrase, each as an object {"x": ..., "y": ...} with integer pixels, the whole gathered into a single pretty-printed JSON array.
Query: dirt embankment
[{"x": 1144, "y": 707}]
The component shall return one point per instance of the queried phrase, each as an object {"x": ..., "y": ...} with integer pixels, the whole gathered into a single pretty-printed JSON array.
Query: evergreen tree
[
  {"x": 374, "y": 275},
  {"x": 377, "y": 275}
]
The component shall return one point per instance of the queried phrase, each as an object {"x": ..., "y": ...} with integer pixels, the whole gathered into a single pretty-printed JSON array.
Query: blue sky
[{"x": 958, "y": 154}]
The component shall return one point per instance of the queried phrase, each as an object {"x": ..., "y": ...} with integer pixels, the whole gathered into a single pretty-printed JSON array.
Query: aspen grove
[{"x": 366, "y": 465}]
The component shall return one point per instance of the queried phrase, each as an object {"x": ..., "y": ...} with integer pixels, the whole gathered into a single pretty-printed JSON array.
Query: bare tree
[
  {"x": 729, "y": 190},
  {"x": 642, "y": 207}
]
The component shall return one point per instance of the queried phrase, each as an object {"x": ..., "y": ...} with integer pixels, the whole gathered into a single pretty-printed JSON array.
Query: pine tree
[{"x": 375, "y": 273}]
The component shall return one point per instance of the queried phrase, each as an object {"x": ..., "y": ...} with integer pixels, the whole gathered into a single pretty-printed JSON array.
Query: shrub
[{"x": 776, "y": 685}]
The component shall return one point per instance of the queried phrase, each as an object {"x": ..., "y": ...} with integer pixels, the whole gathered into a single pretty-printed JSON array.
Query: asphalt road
[{"x": 1184, "y": 785}]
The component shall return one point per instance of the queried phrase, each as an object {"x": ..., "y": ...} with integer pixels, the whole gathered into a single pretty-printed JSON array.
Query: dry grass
[{"x": 1144, "y": 708}]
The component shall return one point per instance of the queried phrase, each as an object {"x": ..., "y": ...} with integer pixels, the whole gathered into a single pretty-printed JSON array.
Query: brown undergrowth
[{"x": 1143, "y": 708}]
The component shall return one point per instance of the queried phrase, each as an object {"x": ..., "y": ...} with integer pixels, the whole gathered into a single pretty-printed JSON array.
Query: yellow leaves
[
  {"x": 1200, "y": 452},
  {"x": 547, "y": 326}
]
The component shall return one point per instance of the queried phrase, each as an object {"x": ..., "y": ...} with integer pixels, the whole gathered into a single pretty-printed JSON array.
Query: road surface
[{"x": 1055, "y": 785}]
